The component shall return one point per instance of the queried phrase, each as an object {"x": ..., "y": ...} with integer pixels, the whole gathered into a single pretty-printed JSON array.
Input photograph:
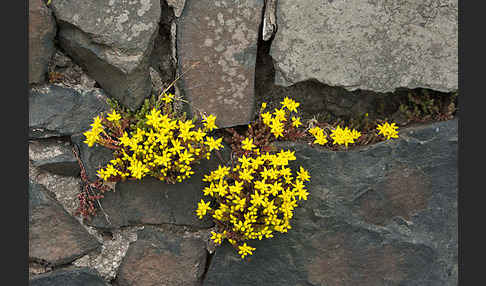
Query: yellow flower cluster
[
  {"x": 276, "y": 120},
  {"x": 338, "y": 135},
  {"x": 253, "y": 199},
  {"x": 165, "y": 148},
  {"x": 388, "y": 130}
]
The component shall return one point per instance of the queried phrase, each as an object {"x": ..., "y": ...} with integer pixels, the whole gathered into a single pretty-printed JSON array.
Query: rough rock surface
[
  {"x": 55, "y": 237},
  {"x": 222, "y": 36},
  {"x": 150, "y": 201},
  {"x": 371, "y": 45},
  {"x": 54, "y": 156},
  {"x": 177, "y": 5},
  {"x": 385, "y": 214},
  {"x": 112, "y": 41},
  {"x": 163, "y": 258},
  {"x": 42, "y": 30},
  {"x": 59, "y": 111},
  {"x": 71, "y": 277},
  {"x": 93, "y": 157}
]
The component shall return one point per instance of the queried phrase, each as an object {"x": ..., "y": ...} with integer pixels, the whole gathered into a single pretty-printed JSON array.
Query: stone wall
[{"x": 384, "y": 214}]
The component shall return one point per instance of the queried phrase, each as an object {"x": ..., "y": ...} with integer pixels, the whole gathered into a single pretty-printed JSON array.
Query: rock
[
  {"x": 55, "y": 237},
  {"x": 65, "y": 72},
  {"x": 385, "y": 214},
  {"x": 150, "y": 201},
  {"x": 269, "y": 20},
  {"x": 59, "y": 111},
  {"x": 71, "y": 277},
  {"x": 374, "y": 45},
  {"x": 54, "y": 157},
  {"x": 177, "y": 5},
  {"x": 112, "y": 41},
  {"x": 93, "y": 158},
  {"x": 222, "y": 36},
  {"x": 163, "y": 258},
  {"x": 42, "y": 30}
]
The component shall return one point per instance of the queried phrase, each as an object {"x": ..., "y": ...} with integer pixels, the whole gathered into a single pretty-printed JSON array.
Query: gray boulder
[
  {"x": 72, "y": 277},
  {"x": 384, "y": 214},
  {"x": 369, "y": 45},
  {"x": 222, "y": 36},
  {"x": 112, "y": 41}
]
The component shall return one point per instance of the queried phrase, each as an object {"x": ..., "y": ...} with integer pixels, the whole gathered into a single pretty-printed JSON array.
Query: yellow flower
[
  {"x": 290, "y": 104},
  {"x": 168, "y": 97},
  {"x": 296, "y": 121},
  {"x": 213, "y": 144},
  {"x": 388, "y": 130},
  {"x": 245, "y": 249},
  {"x": 154, "y": 118},
  {"x": 91, "y": 137},
  {"x": 247, "y": 144},
  {"x": 209, "y": 122},
  {"x": 113, "y": 116},
  {"x": 202, "y": 208},
  {"x": 216, "y": 237},
  {"x": 303, "y": 175}
]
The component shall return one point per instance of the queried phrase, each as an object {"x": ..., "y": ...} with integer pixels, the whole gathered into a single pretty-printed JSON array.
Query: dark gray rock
[
  {"x": 222, "y": 36},
  {"x": 150, "y": 201},
  {"x": 59, "y": 111},
  {"x": 93, "y": 158},
  {"x": 55, "y": 237},
  {"x": 69, "y": 277},
  {"x": 54, "y": 156},
  {"x": 163, "y": 258},
  {"x": 42, "y": 30},
  {"x": 64, "y": 165},
  {"x": 112, "y": 41},
  {"x": 369, "y": 45},
  {"x": 384, "y": 214}
]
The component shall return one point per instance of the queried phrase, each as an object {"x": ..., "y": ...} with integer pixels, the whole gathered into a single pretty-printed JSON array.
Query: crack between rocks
[{"x": 209, "y": 258}]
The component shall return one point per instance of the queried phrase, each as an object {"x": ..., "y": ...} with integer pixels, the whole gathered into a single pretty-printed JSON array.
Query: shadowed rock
[
  {"x": 71, "y": 277},
  {"x": 42, "y": 30}
]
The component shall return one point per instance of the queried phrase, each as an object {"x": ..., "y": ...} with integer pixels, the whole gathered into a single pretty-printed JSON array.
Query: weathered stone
[
  {"x": 59, "y": 111},
  {"x": 177, "y": 5},
  {"x": 384, "y": 214},
  {"x": 42, "y": 30},
  {"x": 371, "y": 45},
  {"x": 65, "y": 72},
  {"x": 54, "y": 157},
  {"x": 150, "y": 201},
  {"x": 163, "y": 258},
  {"x": 112, "y": 41},
  {"x": 93, "y": 158},
  {"x": 269, "y": 20},
  {"x": 71, "y": 277},
  {"x": 222, "y": 36},
  {"x": 55, "y": 237}
]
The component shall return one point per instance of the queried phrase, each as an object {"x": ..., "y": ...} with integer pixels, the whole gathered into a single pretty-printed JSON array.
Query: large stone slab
[
  {"x": 55, "y": 237},
  {"x": 163, "y": 258},
  {"x": 42, "y": 30},
  {"x": 385, "y": 214},
  {"x": 222, "y": 36},
  {"x": 368, "y": 45},
  {"x": 71, "y": 277},
  {"x": 112, "y": 42},
  {"x": 150, "y": 201},
  {"x": 59, "y": 111}
]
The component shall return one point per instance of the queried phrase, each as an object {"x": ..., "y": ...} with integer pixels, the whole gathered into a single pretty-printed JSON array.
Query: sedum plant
[{"x": 155, "y": 141}]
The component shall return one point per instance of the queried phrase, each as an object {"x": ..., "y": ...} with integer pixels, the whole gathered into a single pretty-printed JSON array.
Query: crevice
[
  {"x": 336, "y": 104},
  {"x": 209, "y": 258}
]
